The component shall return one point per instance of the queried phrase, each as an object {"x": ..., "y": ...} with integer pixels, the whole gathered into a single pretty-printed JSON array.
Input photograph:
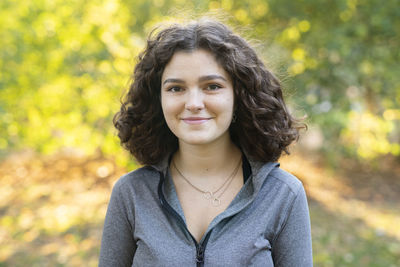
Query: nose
[{"x": 194, "y": 100}]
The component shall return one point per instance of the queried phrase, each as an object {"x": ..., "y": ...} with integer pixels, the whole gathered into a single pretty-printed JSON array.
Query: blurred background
[{"x": 65, "y": 64}]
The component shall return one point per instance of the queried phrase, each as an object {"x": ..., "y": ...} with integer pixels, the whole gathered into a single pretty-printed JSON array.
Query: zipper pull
[{"x": 200, "y": 254}]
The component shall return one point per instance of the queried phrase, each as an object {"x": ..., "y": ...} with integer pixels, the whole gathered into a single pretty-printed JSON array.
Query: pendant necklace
[{"x": 211, "y": 195}]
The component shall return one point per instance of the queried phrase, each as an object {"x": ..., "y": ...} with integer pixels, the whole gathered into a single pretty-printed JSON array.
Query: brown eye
[
  {"x": 175, "y": 89},
  {"x": 213, "y": 87}
]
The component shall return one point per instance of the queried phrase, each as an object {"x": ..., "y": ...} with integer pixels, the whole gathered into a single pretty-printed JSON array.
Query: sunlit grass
[
  {"x": 52, "y": 211},
  {"x": 347, "y": 230},
  {"x": 337, "y": 197}
]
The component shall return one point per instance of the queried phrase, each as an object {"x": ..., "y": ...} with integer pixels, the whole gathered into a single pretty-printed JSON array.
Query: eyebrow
[
  {"x": 211, "y": 77},
  {"x": 172, "y": 80},
  {"x": 201, "y": 79}
]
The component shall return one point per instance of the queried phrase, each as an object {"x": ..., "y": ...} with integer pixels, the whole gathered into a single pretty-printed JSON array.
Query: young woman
[{"x": 208, "y": 122}]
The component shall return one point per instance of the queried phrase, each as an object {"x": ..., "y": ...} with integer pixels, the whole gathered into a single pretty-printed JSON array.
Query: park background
[{"x": 65, "y": 64}]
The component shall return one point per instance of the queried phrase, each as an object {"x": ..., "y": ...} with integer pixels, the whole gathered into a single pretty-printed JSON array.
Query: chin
[
  {"x": 202, "y": 139},
  {"x": 195, "y": 141}
]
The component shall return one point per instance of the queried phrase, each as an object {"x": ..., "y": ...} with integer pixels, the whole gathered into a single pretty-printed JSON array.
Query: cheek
[
  {"x": 223, "y": 105},
  {"x": 164, "y": 108},
  {"x": 168, "y": 115},
  {"x": 170, "y": 108},
  {"x": 165, "y": 105}
]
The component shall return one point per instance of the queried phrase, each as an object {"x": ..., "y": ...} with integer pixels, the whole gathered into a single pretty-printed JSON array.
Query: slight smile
[{"x": 195, "y": 120}]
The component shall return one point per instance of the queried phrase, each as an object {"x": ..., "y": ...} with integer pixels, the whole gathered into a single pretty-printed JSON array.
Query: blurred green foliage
[{"x": 65, "y": 64}]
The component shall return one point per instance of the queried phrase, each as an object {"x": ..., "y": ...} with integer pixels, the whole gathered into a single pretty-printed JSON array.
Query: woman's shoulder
[
  {"x": 141, "y": 176},
  {"x": 287, "y": 179}
]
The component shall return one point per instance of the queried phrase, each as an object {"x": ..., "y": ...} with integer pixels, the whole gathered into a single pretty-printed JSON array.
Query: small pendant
[
  {"x": 216, "y": 202},
  {"x": 208, "y": 195}
]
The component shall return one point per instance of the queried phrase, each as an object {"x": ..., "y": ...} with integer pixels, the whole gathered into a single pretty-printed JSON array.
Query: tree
[{"x": 65, "y": 64}]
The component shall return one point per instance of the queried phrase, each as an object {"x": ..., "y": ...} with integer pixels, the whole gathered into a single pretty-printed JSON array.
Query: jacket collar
[
  {"x": 260, "y": 170},
  {"x": 162, "y": 166}
]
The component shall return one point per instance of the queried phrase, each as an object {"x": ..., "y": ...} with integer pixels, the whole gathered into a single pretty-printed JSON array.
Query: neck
[{"x": 207, "y": 161}]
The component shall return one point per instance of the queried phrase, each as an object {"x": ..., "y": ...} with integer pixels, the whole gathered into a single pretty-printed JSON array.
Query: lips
[{"x": 195, "y": 120}]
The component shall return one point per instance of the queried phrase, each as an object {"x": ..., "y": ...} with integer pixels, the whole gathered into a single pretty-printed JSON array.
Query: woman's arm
[
  {"x": 292, "y": 247},
  {"x": 117, "y": 244}
]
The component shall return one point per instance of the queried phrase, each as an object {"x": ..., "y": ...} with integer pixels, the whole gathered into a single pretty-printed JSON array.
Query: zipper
[
  {"x": 200, "y": 251},
  {"x": 200, "y": 248}
]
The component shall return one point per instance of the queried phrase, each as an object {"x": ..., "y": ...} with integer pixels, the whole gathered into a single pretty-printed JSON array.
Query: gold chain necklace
[{"x": 215, "y": 200}]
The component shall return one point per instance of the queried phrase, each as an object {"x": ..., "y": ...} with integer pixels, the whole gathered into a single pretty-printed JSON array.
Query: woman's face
[{"x": 197, "y": 98}]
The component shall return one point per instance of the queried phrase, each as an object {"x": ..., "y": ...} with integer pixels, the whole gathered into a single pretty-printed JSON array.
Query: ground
[{"x": 52, "y": 209}]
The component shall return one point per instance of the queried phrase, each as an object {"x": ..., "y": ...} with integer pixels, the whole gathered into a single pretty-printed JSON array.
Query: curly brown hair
[{"x": 264, "y": 128}]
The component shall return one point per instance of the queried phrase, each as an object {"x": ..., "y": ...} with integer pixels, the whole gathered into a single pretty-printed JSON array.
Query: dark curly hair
[{"x": 263, "y": 128}]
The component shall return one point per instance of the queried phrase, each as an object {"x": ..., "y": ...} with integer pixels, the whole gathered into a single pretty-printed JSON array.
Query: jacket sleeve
[
  {"x": 117, "y": 244},
  {"x": 292, "y": 246}
]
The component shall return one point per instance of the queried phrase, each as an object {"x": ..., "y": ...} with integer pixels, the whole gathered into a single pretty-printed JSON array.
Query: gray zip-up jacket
[{"x": 267, "y": 223}]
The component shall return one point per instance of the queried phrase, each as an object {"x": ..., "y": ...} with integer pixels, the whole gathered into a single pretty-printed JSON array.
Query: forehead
[{"x": 193, "y": 64}]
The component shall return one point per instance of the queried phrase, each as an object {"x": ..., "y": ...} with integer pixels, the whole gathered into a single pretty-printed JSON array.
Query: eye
[
  {"x": 175, "y": 89},
  {"x": 213, "y": 87}
]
